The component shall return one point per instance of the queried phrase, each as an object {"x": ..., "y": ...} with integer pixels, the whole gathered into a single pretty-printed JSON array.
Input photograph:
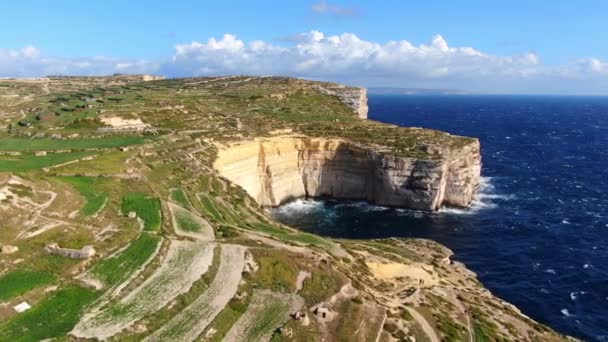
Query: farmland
[{"x": 145, "y": 207}]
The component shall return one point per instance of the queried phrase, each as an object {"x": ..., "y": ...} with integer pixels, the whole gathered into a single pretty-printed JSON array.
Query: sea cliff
[{"x": 278, "y": 169}]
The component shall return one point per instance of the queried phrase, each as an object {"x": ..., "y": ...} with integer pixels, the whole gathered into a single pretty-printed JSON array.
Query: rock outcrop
[
  {"x": 279, "y": 169},
  {"x": 355, "y": 98}
]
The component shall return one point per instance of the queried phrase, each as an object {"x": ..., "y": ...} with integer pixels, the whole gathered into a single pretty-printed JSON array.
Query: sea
[{"x": 537, "y": 231}]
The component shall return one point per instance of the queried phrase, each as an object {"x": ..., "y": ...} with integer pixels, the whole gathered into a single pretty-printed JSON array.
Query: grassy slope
[
  {"x": 53, "y": 317},
  {"x": 88, "y": 188},
  {"x": 30, "y": 145},
  {"x": 18, "y": 282},
  {"x": 113, "y": 270},
  {"x": 147, "y": 208}
]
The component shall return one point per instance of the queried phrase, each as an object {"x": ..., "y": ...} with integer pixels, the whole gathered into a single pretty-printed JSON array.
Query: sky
[{"x": 483, "y": 46}]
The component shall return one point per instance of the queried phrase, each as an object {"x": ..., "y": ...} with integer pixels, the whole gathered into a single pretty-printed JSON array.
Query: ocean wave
[
  {"x": 299, "y": 206},
  {"x": 574, "y": 295},
  {"x": 485, "y": 199}
]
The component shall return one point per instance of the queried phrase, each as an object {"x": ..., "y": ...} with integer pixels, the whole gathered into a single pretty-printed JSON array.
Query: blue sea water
[{"x": 537, "y": 233}]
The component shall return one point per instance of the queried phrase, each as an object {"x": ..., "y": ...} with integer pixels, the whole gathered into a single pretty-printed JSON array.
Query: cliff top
[{"x": 220, "y": 108}]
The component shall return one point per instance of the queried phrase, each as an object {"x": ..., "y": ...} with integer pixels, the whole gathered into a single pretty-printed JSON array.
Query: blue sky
[{"x": 532, "y": 46}]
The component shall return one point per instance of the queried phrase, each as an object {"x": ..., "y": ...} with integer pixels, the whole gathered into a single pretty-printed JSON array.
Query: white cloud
[
  {"x": 342, "y": 58},
  {"x": 322, "y": 7}
]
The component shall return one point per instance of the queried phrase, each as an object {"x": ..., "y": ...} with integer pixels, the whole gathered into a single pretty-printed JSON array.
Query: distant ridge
[{"x": 417, "y": 91}]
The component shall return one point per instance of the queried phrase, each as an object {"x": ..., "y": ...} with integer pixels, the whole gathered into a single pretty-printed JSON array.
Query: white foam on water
[
  {"x": 484, "y": 199},
  {"x": 576, "y": 294},
  {"x": 565, "y": 312},
  {"x": 551, "y": 271},
  {"x": 299, "y": 206}
]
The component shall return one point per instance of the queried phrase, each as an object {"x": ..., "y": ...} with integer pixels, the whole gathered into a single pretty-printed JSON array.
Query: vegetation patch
[
  {"x": 147, "y": 208},
  {"x": 17, "y": 282},
  {"x": 209, "y": 207},
  {"x": 88, "y": 187},
  {"x": 53, "y": 317},
  {"x": 31, "y": 145},
  {"x": 277, "y": 271},
  {"x": 179, "y": 197},
  {"x": 319, "y": 287},
  {"x": 116, "y": 269},
  {"x": 30, "y": 162}
]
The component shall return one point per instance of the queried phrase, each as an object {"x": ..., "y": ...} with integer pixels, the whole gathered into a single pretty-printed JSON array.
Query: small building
[
  {"x": 24, "y": 124},
  {"x": 84, "y": 253}
]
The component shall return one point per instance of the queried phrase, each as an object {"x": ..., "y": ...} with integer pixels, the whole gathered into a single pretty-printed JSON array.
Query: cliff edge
[{"x": 279, "y": 169}]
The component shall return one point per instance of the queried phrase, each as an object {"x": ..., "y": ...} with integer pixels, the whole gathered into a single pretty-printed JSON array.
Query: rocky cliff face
[
  {"x": 355, "y": 98},
  {"x": 276, "y": 170}
]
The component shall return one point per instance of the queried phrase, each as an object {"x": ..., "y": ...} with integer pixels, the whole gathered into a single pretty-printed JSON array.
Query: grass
[
  {"x": 450, "y": 330},
  {"x": 483, "y": 329},
  {"x": 55, "y": 316},
  {"x": 277, "y": 271},
  {"x": 88, "y": 187},
  {"x": 227, "y": 318},
  {"x": 30, "y": 162},
  {"x": 186, "y": 221},
  {"x": 210, "y": 207},
  {"x": 105, "y": 163},
  {"x": 267, "y": 318},
  {"x": 18, "y": 282},
  {"x": 113, "y": 270},
  {"x": 31, "y": 145},
  {"x": 179, "y": 196},
  {"x": 147, "y": 208},
  {"x": 319, "y": 287},
  {"x": 296, "y": 237}
]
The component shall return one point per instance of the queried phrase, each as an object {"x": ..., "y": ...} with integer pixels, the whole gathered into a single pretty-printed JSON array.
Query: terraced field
[
  {"x": 185, "y": 263},
  {"x": 267, "y": 310},
  {"x": 186, "y": 223},
  {"x": 193, "y": 320}
]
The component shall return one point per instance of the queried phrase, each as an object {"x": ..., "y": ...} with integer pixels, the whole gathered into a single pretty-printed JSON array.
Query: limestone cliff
[
  {"x": 276, "y": 170},
  {"x": 355, "y": 98}
]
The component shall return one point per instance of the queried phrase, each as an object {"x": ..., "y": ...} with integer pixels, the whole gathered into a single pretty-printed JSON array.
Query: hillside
[{"x": 133, "y": 208}]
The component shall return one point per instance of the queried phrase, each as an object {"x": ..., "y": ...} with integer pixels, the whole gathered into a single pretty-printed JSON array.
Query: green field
[
  {"x": 187, "y": 221},
  {"x": 147, "y": 208},
  {"x": 179, "y": 196},
  {"x": 30, "y": 162},
  {"x": 210, "y": 207},
  {"x": 113, "y": 270},
  {"x": 18, "y": 282},
  {"x": 88, "y": 187},
  {"x": 30, "y": 145},
  {"x": 55, "y": 316}
]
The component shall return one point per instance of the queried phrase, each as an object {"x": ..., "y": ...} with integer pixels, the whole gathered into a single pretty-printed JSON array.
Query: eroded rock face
[
  {"x": 355, "y": 98},
  {"x": 276, "y": 170}
]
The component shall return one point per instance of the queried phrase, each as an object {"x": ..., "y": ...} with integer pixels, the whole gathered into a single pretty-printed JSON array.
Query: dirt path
[
  {"x": 265, "y": 313},
  {"x": 424, "y": 324},
  {"x": 193, "y": 320},
  {"x": 185, "y": 263}
]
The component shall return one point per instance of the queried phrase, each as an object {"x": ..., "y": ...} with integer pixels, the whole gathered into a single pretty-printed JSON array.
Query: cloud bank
[{"x": 341, "y": 58}]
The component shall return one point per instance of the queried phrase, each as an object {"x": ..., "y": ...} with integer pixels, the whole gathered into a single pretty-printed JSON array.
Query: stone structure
[
  {"x": 84, "y": 253},
  {"x": 6, "y": 249}
]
